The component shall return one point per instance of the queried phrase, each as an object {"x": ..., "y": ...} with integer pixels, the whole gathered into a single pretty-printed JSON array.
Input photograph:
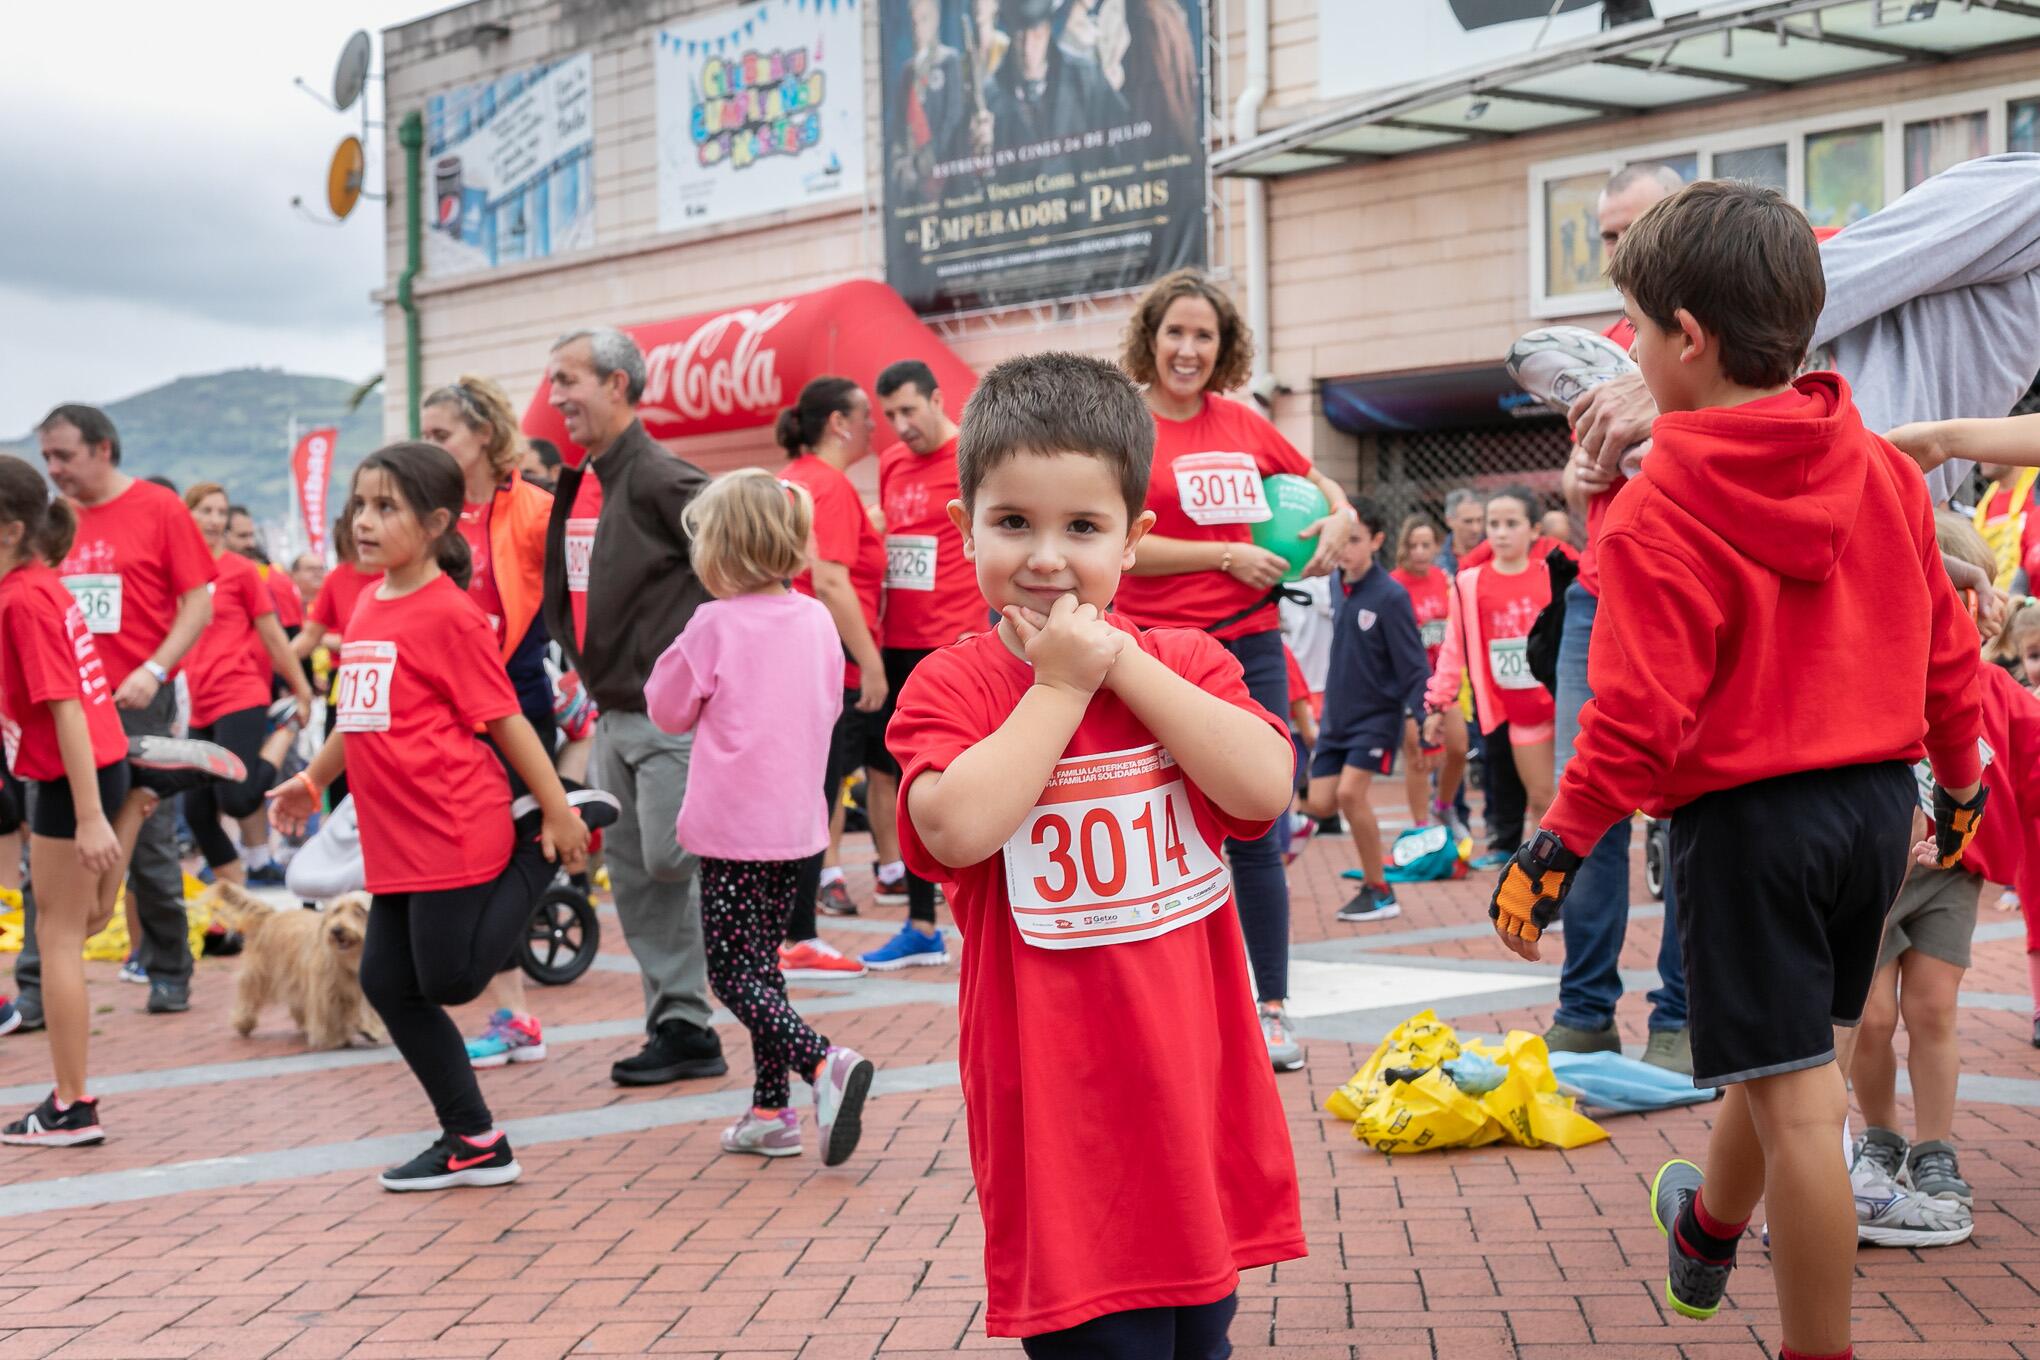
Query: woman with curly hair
[{"x": 1198, "y": 567}]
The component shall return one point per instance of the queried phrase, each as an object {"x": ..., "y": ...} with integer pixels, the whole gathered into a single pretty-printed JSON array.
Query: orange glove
[
  {"x": 1533, "y": 887},
  {"x": 1955, "y": 824}
]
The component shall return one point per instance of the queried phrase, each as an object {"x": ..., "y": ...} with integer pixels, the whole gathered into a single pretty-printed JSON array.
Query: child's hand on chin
[{"x": 1071, "y": 649}]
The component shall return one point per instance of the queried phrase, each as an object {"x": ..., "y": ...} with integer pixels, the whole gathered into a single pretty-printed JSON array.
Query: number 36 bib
[{"x": 1111, "y": 854}]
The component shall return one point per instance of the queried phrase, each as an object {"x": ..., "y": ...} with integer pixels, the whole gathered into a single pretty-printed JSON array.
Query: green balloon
[{"x": 1294, "y": 504}]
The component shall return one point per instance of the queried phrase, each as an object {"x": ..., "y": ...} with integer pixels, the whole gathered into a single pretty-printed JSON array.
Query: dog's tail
[{"x": 240, "y": 909}]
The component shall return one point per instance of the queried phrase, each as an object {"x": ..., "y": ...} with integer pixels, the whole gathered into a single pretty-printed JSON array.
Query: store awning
[
  {"x": 1717, "y": 52},
  {"x": 739, "y": 367}
]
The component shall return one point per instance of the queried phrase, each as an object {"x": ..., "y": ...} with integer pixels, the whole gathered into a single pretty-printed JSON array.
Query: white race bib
[
  {"x": 98, "y": 596},
  {"x": 1509, "y": 663},
  {"x": 1111, "y": 855},
  {"x": 363, "y": 686},
  {"x": 1221, "y": 488},
  {"x": 1433, "y": 633},
  {"x": 910, "y": 561},
  {"x": 580, "y": 544}
]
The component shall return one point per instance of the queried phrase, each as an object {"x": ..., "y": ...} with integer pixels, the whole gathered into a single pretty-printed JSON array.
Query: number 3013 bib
[
  {"x": 363, "y": 686},
  {"x": 1111, "y": 854}
]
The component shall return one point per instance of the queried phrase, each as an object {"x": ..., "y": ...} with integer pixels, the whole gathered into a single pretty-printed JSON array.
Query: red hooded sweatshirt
[{"x": 1772, "y": 601}]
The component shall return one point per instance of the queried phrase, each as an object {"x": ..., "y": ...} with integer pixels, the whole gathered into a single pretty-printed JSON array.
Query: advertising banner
[
  {"x": 760, "y": 108},
  {"x": 311, "y": 468},
  {"x": 1040, "y": 148},
  {"x": 512, "y": 168}
]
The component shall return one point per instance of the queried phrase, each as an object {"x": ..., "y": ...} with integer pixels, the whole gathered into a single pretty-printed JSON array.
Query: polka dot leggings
[{"x": 744, "y": 906}]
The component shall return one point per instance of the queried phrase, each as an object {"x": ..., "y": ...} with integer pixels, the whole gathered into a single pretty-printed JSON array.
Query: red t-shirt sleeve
[
  {"x": 1274, "y": 453},
  {"x": 837, "y": 514},
  {"x": 255, "y": 595},
  {"x": 1205, "y": 663},
  {"x": 325, "y": 608},
  {"x": 937, "y": 719},
  {"x": 49, "y": 670},
  {"x": 190, "y": 561},
  {"x": 469, "y": 670}
]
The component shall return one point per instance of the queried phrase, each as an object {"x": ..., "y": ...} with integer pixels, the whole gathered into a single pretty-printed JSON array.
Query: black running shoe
[
  {"x": 47, "y": 1126},
  {"x": 597, "y": 808},
  {"x": 452, "y": 1161}
]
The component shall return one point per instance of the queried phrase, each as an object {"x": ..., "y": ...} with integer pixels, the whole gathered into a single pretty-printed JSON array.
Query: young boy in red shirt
[
  {"x": 1778, "y": 643},
  {"x": 1075, "y": 778}
]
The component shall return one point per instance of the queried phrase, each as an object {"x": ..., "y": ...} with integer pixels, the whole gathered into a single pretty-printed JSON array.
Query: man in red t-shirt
[
  {"x": 931, "y": 600},
  {"x": 140, "y": 570}
]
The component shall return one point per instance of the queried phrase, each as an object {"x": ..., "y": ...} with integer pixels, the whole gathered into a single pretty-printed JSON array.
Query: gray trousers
[
  {"x": 658, "y": 892},
  {"x": 155, "y": 876}
]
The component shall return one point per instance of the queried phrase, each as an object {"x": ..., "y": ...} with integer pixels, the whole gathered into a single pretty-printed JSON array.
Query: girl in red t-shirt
[
  {"x": 1416, "y": 548},
  {"x": 64, "y": 737},
  {"x": 1493, "y": 606},
  {"x": 454, "y": 879}
]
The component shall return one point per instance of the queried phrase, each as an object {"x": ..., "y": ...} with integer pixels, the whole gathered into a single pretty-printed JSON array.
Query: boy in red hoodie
[{"x": 1778, "y": 644}]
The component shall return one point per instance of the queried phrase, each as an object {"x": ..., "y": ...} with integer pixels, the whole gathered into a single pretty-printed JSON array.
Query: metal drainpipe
[
  {"x": 1247, "y": 122},
  {"x": 411, "y": 135}
]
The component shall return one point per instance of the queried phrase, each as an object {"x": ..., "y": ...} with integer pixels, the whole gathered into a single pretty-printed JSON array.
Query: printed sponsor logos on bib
[{"x": 580, "y": 546}]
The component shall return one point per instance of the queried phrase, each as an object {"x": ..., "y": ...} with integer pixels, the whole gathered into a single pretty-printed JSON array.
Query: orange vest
[{"x": 517, "y": 522}]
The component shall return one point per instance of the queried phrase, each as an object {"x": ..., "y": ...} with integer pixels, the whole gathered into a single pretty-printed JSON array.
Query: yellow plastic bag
[
  {"x": 1430, "y": 1111},
  {"x": 111, "y": 945}
]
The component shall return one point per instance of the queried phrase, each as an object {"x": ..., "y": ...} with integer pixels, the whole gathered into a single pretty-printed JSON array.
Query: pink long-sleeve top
[{"x": 759, "y": 679}]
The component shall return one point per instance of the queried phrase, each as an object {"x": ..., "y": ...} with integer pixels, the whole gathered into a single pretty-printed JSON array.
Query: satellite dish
[
  {"x": 343, "y": 176},
  {"x": 352, "y": 71}
]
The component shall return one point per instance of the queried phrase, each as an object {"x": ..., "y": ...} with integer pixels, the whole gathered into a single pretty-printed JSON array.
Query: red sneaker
[{"x": 817, "y": 959}]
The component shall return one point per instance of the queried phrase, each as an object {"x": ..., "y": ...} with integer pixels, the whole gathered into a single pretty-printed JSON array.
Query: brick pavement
[{"x": 212, "y": 1223}]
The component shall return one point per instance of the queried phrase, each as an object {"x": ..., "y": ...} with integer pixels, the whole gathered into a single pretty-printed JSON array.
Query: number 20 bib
[
  {"x": 363, "y": 686},
  {"x": 1111, "y": 854}
]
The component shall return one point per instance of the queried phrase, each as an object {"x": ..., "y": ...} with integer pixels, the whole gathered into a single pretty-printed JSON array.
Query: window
[
  {"x": 2022, "y": 125},
  {"x": 1939, "y": 143},
  {"x": 1765, "y": 165},
  {"x": 1572, "y": 232},
  {"x": 1844, "y": 175}
]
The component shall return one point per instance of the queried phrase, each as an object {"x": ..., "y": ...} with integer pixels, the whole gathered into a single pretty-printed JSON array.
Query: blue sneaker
[
  {"x": 1494, "y": 859},
  {"x": 907, "y": 949},
  {"x": 132, "y": 971}
]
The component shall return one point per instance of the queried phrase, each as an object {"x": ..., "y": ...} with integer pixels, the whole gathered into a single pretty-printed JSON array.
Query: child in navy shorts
[
  {"x": 1770, "y": 545},
  {"x": 1374, "y": 701}
]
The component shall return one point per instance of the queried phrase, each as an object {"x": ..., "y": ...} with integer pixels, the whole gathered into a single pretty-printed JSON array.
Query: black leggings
[
  {"x": 744, "y": 906},
  {"x": 429, "y": 950},
  {"x": 1198, "y": 1332},
  {"x": 241, "y": 732},
  {"x": 1508, "y": 803}
]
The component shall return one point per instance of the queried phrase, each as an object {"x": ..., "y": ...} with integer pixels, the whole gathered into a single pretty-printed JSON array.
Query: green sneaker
[{"x": 1692, "y": 1287}]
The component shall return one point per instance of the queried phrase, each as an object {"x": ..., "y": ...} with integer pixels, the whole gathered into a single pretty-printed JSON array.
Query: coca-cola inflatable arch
[{"x": 739, "y": 367}]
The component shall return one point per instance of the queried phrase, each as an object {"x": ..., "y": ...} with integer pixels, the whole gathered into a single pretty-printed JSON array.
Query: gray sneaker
[
  {"x": 1930, "y": 1168},
  {"x": 1692, "y": 1287},
  {"x": 835, "y": 900},
  {"x": 181, "y": 753},
  {"x": 29, "y": 1007},
  {"x": 1671, "y": 1049},
  {"x": 1566, "y": 1039},
  {"x": 753, "y": 1133},
  {"x": 1283, "y": 1050},
  {"x": 1560, "y": 364},
  {"x": 840, "y": 1088},
  {"x": 1890, "y": 1215}
]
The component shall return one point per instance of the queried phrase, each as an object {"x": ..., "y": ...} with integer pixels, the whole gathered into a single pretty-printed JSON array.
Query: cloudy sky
[{"x": 150, "y": 155}]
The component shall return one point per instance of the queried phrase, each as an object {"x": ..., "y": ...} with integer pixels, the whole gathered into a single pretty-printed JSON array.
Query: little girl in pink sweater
[{"x": 758, "y": 676}]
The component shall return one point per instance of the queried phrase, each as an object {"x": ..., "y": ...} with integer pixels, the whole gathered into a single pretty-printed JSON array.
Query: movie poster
[
  {"x": 760, "y": 108},
  {"x": 1040, "y": 148},
  {"x": 512, "y": 168}
]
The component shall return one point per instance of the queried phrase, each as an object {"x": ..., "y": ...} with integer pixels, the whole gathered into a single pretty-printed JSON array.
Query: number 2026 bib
[
  {"x": 363, "y": 686},
  {"x": 1111, "y": 854}
]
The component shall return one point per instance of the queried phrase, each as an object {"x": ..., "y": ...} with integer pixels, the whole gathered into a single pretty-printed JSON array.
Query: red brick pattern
[{"x": 654, "y": 1243}]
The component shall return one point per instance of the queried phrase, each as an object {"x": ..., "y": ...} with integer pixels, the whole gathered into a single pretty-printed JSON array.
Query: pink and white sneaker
[
  {"x": 754, "y": 1133},
  {"x": 840, "y": 1088}
]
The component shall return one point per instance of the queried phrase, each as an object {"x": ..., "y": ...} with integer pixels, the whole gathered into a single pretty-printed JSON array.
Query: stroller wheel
[{"x": 563, "y": 937}]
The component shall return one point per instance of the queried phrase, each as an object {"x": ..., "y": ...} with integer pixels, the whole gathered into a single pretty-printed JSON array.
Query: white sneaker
[
  {"x": 1283, "y": 1050},
  {"x": 1560, "y": 364},
  {"x": 1888, "y": 1214}
]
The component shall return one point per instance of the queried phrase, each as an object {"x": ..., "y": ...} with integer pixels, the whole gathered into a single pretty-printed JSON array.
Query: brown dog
[{"x": 309, "y": 961}]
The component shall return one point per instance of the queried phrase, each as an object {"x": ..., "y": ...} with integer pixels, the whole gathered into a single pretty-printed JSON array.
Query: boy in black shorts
[
  {"x": 1778, "y": 642},
  {"x": 1374, "y": 700}
]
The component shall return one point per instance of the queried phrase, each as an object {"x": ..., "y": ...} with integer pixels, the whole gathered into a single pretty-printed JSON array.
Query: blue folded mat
[{"x": 1622, "y": 1085}]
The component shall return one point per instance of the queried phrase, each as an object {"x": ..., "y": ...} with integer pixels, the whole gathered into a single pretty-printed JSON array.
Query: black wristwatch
[{"x": 1547, "y": 851}]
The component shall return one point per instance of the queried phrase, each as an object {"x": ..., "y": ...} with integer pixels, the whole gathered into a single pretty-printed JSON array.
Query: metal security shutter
[{"x": 1413, "y": 471}]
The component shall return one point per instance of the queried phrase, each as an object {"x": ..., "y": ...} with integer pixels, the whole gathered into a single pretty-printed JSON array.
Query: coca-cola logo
[{"x": 722, "y": 369}]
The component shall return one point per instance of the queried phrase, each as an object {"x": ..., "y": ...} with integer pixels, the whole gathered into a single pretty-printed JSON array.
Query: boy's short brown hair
[
  {"x": 1057, "y": 403},
  {"x": 1742, "y": 260}
]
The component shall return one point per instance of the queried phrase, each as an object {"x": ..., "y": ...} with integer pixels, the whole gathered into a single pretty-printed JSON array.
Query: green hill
[{"x": 233, "y": 428}]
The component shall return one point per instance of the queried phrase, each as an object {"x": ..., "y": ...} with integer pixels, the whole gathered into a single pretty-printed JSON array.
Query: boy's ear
[
  {"x": 1135, "y": 532},
  {"x": 1697, "y": 340},
  {"x": 960, "y": 517}
]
